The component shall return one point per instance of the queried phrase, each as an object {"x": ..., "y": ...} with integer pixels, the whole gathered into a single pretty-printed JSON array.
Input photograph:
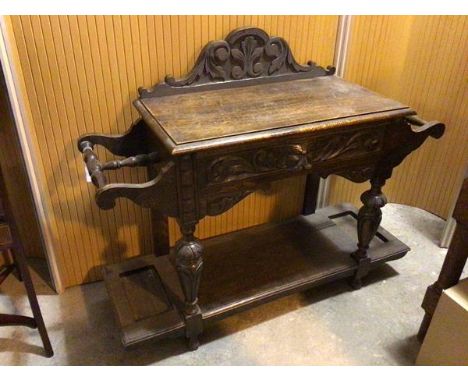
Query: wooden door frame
[{"x": 13, "y": 78}]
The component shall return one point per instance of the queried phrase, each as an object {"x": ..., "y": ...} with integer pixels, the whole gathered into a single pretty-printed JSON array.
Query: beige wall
[
  {"x": 421, "y": 61},
  {"x": 81, "y": 75}
]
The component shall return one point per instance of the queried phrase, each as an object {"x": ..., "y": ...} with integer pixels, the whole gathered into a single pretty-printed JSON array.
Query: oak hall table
[{"x": 248, "y": 114}]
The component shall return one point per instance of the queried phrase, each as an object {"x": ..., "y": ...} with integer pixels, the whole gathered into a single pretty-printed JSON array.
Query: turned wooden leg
[
  {"x": 189, "y": 264},
  {"x": 369, "y": 218}
]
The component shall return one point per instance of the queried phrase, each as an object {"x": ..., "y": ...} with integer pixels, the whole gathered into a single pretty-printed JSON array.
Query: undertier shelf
[{"x": 242, "y": 269}]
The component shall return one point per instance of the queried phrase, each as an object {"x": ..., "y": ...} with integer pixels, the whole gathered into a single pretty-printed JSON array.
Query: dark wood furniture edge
[
  {"x": 282, "y": 132},
  {"x": 12, "y": 165},
  {"x": 20, "y": 264},
  {"x": 454, "y": 261}
]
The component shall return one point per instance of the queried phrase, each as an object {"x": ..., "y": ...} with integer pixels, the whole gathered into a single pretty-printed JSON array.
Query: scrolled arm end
[
  {"x": 105, "y": 200},
  {"x": 435, "y": 129},
  {"x": 84, "y": 142}
]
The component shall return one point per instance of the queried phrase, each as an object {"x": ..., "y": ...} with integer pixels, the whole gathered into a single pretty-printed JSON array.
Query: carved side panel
[
  {"x": 401, "y": 139},
  {"x": 216, "y": 205},
  {"x": 157, "y": 193}
]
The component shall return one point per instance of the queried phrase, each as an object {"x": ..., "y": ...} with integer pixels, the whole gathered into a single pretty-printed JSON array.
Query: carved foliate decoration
[
  {"x": 293, "y": 157},
  {"x": 246, "y": 53},
  {"x": 156, "y": 193}
]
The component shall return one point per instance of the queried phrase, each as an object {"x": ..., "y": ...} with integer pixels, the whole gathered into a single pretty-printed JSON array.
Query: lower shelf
[{"x": 241, "y": 270}]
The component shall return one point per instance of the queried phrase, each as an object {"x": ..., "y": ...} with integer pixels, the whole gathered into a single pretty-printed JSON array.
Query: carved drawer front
[{"x": 297, "y": 156}]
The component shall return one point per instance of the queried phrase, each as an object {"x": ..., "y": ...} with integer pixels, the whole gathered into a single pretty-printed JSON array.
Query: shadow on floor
[
  {"x": 18, "y": 346},
  {"x": 95, "y": 338},
  {"x": 405, "y": 350}
]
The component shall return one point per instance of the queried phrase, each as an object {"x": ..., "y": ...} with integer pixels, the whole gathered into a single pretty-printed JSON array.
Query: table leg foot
[
  {"x": 193, "y": 343},
  {"x": 362, "y": 271},
  {"x": 355, "y": 283},
  {"x": 193, "y": 329}
]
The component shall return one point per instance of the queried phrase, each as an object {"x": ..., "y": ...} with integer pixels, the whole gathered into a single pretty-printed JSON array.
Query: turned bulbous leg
[
  {"x": 369, "y": 218},
  {"x": 189, "y": 265}
]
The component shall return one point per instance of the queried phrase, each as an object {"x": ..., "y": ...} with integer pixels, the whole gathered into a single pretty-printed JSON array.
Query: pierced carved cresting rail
[{"x": 245, "y": 54}]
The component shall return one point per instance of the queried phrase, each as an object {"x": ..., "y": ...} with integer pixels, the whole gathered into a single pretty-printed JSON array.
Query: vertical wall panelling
[
  {"x": 339, "y": 61},
  {"x": 81, "y": 74},
  {"x": 422, "y": 62}
]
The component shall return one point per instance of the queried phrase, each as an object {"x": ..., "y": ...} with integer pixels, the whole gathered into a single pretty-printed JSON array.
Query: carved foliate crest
[{"x": 246, "y": 54}]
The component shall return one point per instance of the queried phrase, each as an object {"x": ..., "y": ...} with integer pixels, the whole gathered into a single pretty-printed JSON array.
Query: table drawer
[{"x": 297, "y": 155}]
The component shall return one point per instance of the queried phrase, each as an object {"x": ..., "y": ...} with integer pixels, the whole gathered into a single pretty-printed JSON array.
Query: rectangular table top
[{"x": 210, "y": 118}]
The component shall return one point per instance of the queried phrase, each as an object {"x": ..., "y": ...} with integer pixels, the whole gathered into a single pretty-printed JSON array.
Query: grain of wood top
[{"x": 214, "y": 114}]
